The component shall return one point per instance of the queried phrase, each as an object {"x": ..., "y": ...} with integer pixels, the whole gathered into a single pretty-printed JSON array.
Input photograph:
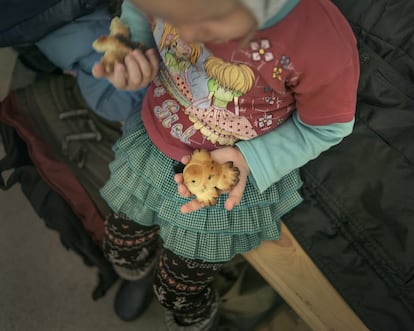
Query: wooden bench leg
[{"x": 290, "y": 271}]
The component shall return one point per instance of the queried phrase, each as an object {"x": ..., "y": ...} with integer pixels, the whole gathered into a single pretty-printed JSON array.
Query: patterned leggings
[{"x": 183, "y": 286}]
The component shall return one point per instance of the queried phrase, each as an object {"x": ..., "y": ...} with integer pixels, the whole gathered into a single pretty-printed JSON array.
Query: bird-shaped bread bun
[
  {"x": 116, "y": 45},
  {"x": 206, "y": 178}
]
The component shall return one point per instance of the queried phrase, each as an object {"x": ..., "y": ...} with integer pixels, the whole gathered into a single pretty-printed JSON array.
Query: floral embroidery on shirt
[
  {"x": 284, "y": 61},
  {"x": 284, "y": 64},
  {"x": 277, "y": 72},
  {"x": 280, "y": 121},
  {"x": 261, "y": 50},
  {"x": 265, "y": 121}
]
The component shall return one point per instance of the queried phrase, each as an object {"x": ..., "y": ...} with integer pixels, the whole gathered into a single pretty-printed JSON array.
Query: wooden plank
[{"x": 290, "y": 271}]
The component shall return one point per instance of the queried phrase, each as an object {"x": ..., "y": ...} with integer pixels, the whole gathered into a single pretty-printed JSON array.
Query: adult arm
[{"x": 70, "y": 48}]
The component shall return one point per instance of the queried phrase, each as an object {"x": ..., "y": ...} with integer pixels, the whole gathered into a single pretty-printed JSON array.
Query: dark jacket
[
  {"x": 357, "y": 220},
  {"x": 25, "y": 22}
]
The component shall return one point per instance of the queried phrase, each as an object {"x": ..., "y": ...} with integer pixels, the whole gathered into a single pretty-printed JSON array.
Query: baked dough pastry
[
  {"x": 206, "y": 178},
  {"x": 116, "y": 45}
]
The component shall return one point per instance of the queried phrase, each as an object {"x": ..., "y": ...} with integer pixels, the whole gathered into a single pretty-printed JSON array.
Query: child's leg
[
  {"x": 131, "y": 247},
  {"x": 184, "y": 287}
]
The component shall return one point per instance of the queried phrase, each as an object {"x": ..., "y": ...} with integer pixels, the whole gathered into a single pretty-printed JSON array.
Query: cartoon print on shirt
[
  {"x": 179, "y": 57},
  {"x": 167, "y": 115},
  {"x": 220, "y": 100},
  {"x": 227, "y": 82}
]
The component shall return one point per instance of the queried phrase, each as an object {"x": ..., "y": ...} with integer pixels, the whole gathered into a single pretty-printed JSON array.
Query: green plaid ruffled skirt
[{"x": 142, "y": 187}]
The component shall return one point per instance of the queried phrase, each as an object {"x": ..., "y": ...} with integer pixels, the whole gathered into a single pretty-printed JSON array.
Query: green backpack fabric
[
  {"x": 246, "y": 299},
  {"x": 82, "y": 140}
]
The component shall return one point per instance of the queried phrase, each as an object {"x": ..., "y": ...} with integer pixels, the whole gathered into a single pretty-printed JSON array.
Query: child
[{"x": 268, "y": 85}]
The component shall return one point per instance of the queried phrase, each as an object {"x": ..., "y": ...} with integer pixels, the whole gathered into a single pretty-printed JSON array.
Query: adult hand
[
  {"x": 137, "y": 71},
  {"x": 220, "y": 155}
]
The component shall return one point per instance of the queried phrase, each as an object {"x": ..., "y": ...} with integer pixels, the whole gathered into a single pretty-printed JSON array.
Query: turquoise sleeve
[
  {"x": 138, "y": 23},
  {"x": 290, "y": 146}
]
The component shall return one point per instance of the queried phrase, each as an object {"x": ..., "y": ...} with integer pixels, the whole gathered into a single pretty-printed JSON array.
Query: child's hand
[
  {"x": 235, "y": 194},
  {"x": 137, "y": 71}
]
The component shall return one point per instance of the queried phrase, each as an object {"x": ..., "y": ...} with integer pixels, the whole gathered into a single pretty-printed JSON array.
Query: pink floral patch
[{"x": 261, "y": 50}]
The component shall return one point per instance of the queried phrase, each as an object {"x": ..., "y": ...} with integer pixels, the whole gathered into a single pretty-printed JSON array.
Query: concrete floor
[{"x": 45, "y": 287}]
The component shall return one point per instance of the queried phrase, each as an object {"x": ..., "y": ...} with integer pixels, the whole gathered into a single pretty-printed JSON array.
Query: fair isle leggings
[{"x": 183, "y": 286}]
